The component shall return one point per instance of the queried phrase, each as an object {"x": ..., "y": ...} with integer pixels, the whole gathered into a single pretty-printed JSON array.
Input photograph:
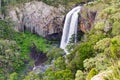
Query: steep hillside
[{"x": 29, "y": 56}]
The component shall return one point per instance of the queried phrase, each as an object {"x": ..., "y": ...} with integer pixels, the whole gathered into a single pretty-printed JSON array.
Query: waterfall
[{"x": 70, "y": 27}]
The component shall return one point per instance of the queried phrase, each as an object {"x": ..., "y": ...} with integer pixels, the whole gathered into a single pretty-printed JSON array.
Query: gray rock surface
[{"x": 37, "y": 17}]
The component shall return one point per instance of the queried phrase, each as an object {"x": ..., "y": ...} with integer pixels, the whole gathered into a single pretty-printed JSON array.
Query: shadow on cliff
[{"x": 38, "y": 56}]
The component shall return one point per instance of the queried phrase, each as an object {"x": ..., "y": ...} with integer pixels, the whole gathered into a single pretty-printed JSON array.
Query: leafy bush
[
  {"x": 102, "y": 45},
  {"x": 97, "y": 62},
  {"x": 116, "y": 28},
  {"x": 99, "y": 26},
  {"x": 95, "y": 35},
  {"x": 60, "y": 63},
  {"x": 107, "y": 12},
  {"x": 79, "y": 75},
  {"x": 6, "y": 31},
  {"x": 50, "y": 74},
  {"x": 82, "y": 52},
  {"x": 9, "y": 56},
  {"x": 55, "y": 53},
  {"x": 107, "y": 50},
  {"x": 13, "y": 76},
  {"x": 32, "y": 76},
  {"x": 92, "y": 72},
  {"x": 115, "y": 47},
  {"x": 15, "y": 48},
  {"x": 114, "y": 73}
]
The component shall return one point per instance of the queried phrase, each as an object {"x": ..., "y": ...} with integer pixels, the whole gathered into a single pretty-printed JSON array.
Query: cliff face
[
  {"x": 37, "y": 17},
  {"x": 45, "y": 20},
  {"x": 86, "y": 19}
]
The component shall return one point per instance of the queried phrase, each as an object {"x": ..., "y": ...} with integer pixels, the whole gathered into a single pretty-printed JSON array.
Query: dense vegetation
[
  {"x": 15, "y": 49},
  {"x": 100, "y": 52}
]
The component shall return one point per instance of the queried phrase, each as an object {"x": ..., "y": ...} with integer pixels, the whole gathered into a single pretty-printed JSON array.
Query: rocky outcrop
[
  {"x": 16, "y": 16},
  {"x": 86, "y": 19},
  {"x": 37, "y": 17},
  {"x": 86, "y": 22},
  {"x": 45, "y": 20}
]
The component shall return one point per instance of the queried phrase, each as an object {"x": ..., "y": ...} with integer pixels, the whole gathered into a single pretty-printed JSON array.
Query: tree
[
  {"x": 58, "y": 75},
  {"x": 60, "y": 63},
  {"x": 32, "y": 76},
  {"x": 113, "y": 72},
  {"x": 55, "y": 53},
  {"x": 79, "y": 75},
  {"x": 13, "y": 76},
  {"x": 10, "y": 59}
]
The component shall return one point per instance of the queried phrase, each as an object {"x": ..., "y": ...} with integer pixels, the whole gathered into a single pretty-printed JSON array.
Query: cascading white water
[{"x": 70, "y": 27}]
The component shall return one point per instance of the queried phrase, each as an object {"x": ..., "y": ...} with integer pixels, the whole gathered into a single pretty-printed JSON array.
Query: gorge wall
[
  {"x": 45, "y": 20},
  {"x": 37, "y": 17}
]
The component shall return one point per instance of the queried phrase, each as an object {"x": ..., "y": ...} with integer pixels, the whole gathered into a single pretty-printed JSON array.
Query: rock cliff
[
  {"x": 45, "y": 20},
  {"x": 86, "y": 19},
  {"x": 37, "y": 17}
]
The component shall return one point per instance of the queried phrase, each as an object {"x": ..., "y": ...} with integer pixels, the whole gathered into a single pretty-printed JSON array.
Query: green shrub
[
  {"x": 115, "y": 47},
  {"x": 99, "y": 26},
  {"x": 60, "y": 63},
  {"x": 6, "y": 31},
  {"x": 92, "y": 72},
  {"x": 13, "y": 76},
  {"x": 107, "y": 12},
  {"x": 25, "y": 41},
  {"x": 50, "y": 74},
  {"x": 116, "y": 28},
  {"x": 107, "y": 50},
  {"x": 55, "y": 53},
  {"x": 32, "y": 76},
  {"x": 102, "y": 45},
  {"x": 97, "y": 62},
  {"x": 83, "y": 51},
  {"x": 79, "y": 75},
  {"x": 15, "y": 46},
  {"x": 113, "y": 72},
  {"x": 10, "y": 57},
  {"x": 95, "y": 35}
]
